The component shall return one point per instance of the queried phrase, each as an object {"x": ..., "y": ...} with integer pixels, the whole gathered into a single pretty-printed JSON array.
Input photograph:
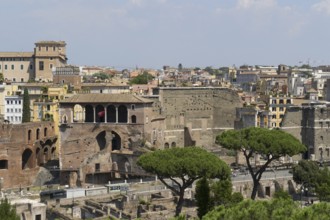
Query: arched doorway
[
  {"x": 78, "y": 113},
  {"x": 173, "y": 144},
  {"x": 166, "y": 145},
  {"x": 101, "y": 141},
  {"x": 27, "y": 159},
  {"x": 89, "y": 113},
  {"x": 122, "y": 114},
  {"x": 116, "y": 141},
  {"x": 111, "y": 114}
]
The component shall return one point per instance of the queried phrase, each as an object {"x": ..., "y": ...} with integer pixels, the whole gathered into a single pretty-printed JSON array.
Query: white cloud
[
  {"x": 257, "y": 4},
  {"x": 322, "y": 6}
]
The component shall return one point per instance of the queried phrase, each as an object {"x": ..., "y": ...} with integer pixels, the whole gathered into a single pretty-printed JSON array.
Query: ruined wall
[
  {"x": 23, "y": 148},
  {"x": 88, "y": 148},
  {"x": 203, "y": 112}
]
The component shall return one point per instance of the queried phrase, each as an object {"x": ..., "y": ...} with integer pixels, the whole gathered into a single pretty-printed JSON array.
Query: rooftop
[{"x": 106, "y": 98}]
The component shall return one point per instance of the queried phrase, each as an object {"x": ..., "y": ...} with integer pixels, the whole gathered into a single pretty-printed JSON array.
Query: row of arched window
[{"x": 37, "y": 133}]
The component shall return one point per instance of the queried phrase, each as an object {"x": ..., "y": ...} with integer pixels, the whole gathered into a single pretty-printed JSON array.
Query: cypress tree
[
  {"x": 26, "y": 107},
  {"x": 202, "y": 197}
]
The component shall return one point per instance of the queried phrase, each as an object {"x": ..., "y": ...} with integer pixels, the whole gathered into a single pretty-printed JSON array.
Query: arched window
[
  {"x": 27, "y": 159},
  {"x": 122, "y": 114},
  {"x": 133, "y": 119},
  {"x": 173, "y": 144},
  {"x": 45, "y": 132},
  {"x": 111, "y": 113},
  {"x": 37, "y": 134},
  {"x": 29, "y": 135},
  {"x": 89, "y": 113},
  {"x": 166, "y": 145}
]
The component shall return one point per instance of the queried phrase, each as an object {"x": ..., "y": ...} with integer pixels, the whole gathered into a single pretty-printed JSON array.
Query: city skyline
[{"x": 153, "y": 33}]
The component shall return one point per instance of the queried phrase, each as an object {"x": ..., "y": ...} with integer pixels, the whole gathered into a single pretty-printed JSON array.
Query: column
[
  {"x": 94, "y": 114},
  {"x": 83, "y": 114},
  {"x": 105, "y": 115},
  {"x": 128, "y": 119},
  {"x": 116, "y": 115}
]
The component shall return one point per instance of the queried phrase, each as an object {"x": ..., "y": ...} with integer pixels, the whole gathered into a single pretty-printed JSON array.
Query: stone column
[
  {"x": 128, "y": 119},
  {"x": 94, "y": 114},
  {"x": 116, "y": 115},
  {"x": 105, "y": 114},
  {"x": 83, "y": 114}
]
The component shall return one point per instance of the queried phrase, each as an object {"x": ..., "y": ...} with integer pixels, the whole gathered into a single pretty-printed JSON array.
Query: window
[
  {"x": 22, "y": 80},
  {"x": 97, "y": 167},
  {"x": 45, "y": 132},
  {"x": 31, "y": 67},
  {"x": 53, "y": 48},
  {"x": 37, "y": 134},
  {"x": 47, "y": 48},
  {"x": 0, "y": 67},
  {"x": 22, "y": 66},
  {"x": 133, "y": 107},
  {"x": 50, "y": 66},
  {"x": 41, "y": 65},
  {"x": 12, "y": 67},
  {"x": 51, "y": 58},
  {"x": 6, "y": 67},
  {"x": 39, "y": 48},
  {"x": 274, "y": 109},
  {"x": 281, "y": 109},
  {"x": 3, "y": 164},
  {"x": 14, "y": 79}
]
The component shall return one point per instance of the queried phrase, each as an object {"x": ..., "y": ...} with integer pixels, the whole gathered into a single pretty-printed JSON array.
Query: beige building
[{"x": 36, "y": 65}]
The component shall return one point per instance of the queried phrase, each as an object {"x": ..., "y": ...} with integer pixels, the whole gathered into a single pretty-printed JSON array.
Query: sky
[{"x": 153, "y": 33}]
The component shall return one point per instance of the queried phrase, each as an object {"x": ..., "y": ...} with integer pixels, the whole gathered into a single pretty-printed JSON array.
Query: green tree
[
  {"x": 183, "y": 166},
  {"x": 1, "y": 78},
  {"x": 7, "y": 211},
  {"x": 143, "y": 78},
  {"x": 202, "y": 196},
  {"x": 26, "y": 115},
  {"x": 271, "y": 144},
  {"x": 306, "y": 172},
  {"x": 221, "y": 192},
  {"x": 276, "y": 209},
  {"x": 281, "y": 194},
  {"x": 101, "y": 76},
  {"x": 210, "y": 70}
]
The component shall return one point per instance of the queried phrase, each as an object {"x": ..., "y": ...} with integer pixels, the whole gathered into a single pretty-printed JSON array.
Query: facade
[
  {"x": 14, "y": 109},
  {"x": 103, "y": 134},
  {"x": 36, "y": 65},
  {"x": 67, "y": 75},
  {"x": 251, "y": 116},
  {"x": 23, "y": 149},
  {"x": 17, "y": 66},
  {"x": 47, "y": 55},
  {"x": 310, "y": 123},
  {"x": 277, "y": 107}
]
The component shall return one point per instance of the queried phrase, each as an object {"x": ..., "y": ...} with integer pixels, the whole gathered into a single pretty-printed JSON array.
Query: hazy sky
[{"x": 153, "y": 33}]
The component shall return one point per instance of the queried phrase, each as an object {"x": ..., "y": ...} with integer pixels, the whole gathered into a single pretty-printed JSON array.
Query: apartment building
[{"x": 36, "y": 65}]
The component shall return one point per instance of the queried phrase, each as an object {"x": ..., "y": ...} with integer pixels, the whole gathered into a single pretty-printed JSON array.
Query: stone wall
[
  {"x": 23, "y": 149},
  {"x": 197, "y": 115}
]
